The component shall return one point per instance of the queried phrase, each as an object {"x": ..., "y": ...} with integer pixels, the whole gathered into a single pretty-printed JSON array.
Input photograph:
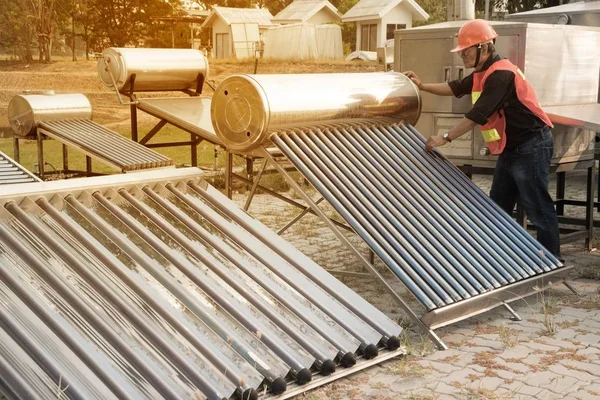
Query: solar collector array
[
  {"x": 444, "y": 238},
  {"x": 153, "y": 290}
]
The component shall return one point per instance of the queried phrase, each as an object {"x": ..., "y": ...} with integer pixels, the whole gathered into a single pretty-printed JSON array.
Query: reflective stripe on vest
[{"x": 489, "y": 135}]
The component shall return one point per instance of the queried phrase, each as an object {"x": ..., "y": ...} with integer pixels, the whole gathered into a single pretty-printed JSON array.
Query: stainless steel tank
[
  {"x": 26, "y": 111},
  {"x": 246, "y": 108},
  {"x": 154, "y": 69}
]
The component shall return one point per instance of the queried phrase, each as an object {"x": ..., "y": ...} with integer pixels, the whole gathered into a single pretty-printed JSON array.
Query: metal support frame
[
  {"x": 133, "y": 107},
  {"x": 42, "y": 173}
]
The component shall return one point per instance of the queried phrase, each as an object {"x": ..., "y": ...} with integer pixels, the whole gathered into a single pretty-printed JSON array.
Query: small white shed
[
  {"x": 314, "y": 12},
  {"x": 235, "y": 31},
  {"x": 376, "y": 20}
]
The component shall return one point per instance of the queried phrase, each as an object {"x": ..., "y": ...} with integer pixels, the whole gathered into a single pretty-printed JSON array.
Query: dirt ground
[{"x": 81, "y": 77}]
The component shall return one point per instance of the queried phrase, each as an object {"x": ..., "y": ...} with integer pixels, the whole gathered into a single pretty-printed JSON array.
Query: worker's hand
[
  {"x": 413, "y": 77},
  {"x": 434, "y": 141}
]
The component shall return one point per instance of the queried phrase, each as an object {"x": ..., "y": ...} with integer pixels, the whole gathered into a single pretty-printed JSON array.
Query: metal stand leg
[
  {"x": 255, "y": 185},
  {"x": 571, "y": 288},
  {"x": 228, "y": 173},
  {"x": 515, "y": 316},
  {"x": 297, "y": 218},
  {"x": 589, "y": 209},
  {"x": 560, "y": 193},
  {"x": 40, "y": 148}
]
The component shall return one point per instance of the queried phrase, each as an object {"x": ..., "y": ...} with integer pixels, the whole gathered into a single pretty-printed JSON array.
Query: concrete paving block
[
  {"x": 590, "y": 368},
  {"x": 581, "y": 376},
  {"x": 488, "y": 383},
  {"x": 382, "y": 379},
  {"x": 561, "y": 384},
  {"x": 541, "y": 379},
  {"x": 520, "y": 389},
  {"x": 539, "y": 345},
  {"x": 440, "y": 367},
  {"x": 546, "y": 394},
  {"x": 516, "y": 352}
]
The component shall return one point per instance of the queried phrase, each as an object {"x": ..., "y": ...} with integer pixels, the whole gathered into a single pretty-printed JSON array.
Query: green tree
[
  {"x": 17, "y": 29},
  {"x": 126, "y": 22}
]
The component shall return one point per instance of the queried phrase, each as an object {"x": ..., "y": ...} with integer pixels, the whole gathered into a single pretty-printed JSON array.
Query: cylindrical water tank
[
  {"x": 27, "y": 110},
  {"x": 154, "y": 69},
  {"x": 245, "y": 109}
]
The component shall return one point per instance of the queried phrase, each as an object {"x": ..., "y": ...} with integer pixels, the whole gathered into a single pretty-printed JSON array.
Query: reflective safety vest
[{"x": 494, "y": 131}]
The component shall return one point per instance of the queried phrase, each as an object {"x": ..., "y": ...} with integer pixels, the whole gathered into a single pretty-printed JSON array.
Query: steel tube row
[
  {"x": 484, "y": 200},
  {"x": 418, "y": 287},
  {"x": 402, "y": 243},
  {"x": 397, "y": 214},
  {"x": 245, "y": 292},
  {"x": 400, "y": 171},
  {"x": 362, "y": 336},
  {"x": 294, "y": 360},
  {"x": 299, "y": 264},
  {"x": 109, "y": 144},
  {"x": 511, "y": 236},
  {"x": 82, "y": 134},
  {"x": 90, "y": 132},
  {"x": 99, "y": 140},
  {"x": 90, "y": 315},
  {"x": 13, "y": 384},
  {"x": 150, "y": 332},
  {"x": 304, "y": 313},
  {"x": 427, "y": 203},
  {"x": 396, "y": 159},
  {"x": 401, "y": 199},
  {"x": 37, "y": 352},
  {"x": 267, "y": 336},
  {"x": 506, "y": 234},
  {"x": 201, "y": 343}
]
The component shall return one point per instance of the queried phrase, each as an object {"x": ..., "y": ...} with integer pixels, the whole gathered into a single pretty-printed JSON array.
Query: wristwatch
[{"x": 446, "y": 137}]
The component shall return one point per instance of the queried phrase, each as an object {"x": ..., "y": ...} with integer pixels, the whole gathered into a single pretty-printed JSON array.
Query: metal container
[
  {"x": 154, "y": 69},
  {"x": 561, "y": 62},
  {"x": 246, "y": 108},
  {"x": 26, "y": 111},
  {"x": 581, "y": 13}
]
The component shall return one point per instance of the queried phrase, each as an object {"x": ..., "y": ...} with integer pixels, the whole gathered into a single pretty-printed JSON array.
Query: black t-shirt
[{"x": 499, "y": 92}]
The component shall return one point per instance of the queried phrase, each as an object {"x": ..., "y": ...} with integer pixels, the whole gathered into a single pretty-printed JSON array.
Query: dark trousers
[{"x": 522, "y": 173}]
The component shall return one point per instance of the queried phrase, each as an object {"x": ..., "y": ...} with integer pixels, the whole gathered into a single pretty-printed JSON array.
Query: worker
[{"x": 512, "y": 123}]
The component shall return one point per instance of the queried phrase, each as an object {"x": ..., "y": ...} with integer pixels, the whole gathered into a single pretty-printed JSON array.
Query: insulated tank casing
[
  {"x": 27, "y": 110},
  {"x": 154, "y": 69},
  {"x": 245, "y": 109}
]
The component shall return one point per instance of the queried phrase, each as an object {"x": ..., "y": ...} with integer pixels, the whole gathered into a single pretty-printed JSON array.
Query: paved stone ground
[{"x": 553, "y": 353}]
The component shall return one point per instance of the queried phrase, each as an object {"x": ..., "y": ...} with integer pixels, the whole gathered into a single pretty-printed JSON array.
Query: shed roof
[
  {"x": 230, "y": 15},
  {"x": 375, "y": 9},
  {"x": 571, "y": 8},
  {"x": 303, "y": 10}
]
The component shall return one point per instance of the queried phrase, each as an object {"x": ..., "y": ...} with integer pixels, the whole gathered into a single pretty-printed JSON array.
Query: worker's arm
[
  {"x": 441, "y": 89},
  {"x": 463, "y": 126}
]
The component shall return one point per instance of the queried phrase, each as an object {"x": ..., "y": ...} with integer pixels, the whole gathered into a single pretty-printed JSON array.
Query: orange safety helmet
[{"x": 474, "y": 32}]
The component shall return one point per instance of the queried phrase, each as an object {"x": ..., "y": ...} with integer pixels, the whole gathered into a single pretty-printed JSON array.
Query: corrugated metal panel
[
  {"x": 441, "y": 235},
  {"x": 12, "y": 172},
  {"x": 302, "y": 10},
  {"x": 375, "y": 8},
  {"x": 104, "y": 145},
  {"x": 230, "y": 15},
  {"x": 158, "y": 286}
]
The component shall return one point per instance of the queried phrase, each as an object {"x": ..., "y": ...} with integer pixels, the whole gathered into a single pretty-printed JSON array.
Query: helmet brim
[{"x": 459, "y": 48}]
